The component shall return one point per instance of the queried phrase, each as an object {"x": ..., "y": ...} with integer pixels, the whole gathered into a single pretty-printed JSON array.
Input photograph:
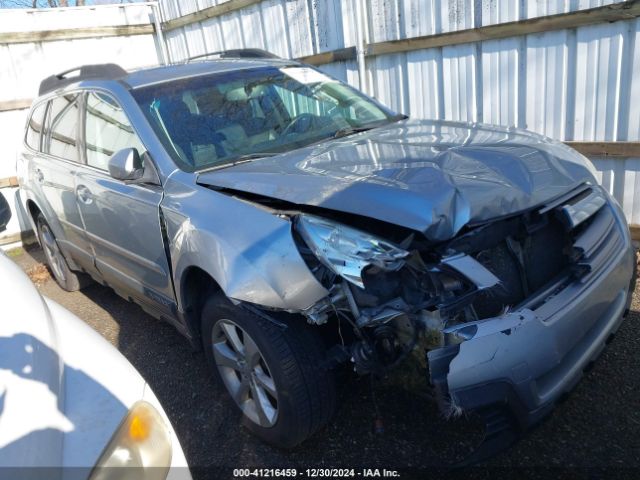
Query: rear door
[
  {"x": 52, "y": 174},
  {"x": 121, "y": 219}
]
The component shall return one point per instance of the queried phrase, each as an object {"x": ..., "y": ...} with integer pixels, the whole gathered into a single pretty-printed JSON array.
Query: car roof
[
  {"x": 232, "y": 60},
  {"x": 149, "y": 76}
]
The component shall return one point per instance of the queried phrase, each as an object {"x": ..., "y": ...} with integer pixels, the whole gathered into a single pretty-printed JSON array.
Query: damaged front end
[
  {"x": 510, "y": 312},
  {"x": 394, "y": 296}
]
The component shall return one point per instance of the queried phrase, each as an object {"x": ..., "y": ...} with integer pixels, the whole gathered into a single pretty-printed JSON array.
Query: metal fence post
[
  {"x": 164, "y": 54},
  {"x": 362, "y": 25}
]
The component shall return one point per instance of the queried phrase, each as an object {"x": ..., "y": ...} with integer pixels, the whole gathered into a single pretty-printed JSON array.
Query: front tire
[
  {"x": 274, "y": 375},
  {"x": 56, "y": 262}
]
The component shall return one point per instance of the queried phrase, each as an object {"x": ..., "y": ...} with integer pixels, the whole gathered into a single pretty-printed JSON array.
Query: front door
[{"x": 121, "y": 220}]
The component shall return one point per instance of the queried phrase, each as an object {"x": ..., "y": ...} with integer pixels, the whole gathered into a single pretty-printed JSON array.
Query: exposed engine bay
[{"x": 398, "y": 296}]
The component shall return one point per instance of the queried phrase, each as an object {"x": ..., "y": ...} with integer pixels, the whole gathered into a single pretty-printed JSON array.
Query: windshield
[{"x": 213, "y": 120}]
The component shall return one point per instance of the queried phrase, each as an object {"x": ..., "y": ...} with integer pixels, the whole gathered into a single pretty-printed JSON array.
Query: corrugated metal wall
[
  {"x": 24, "y": 65},
  {"x": 575, "y": 84}
]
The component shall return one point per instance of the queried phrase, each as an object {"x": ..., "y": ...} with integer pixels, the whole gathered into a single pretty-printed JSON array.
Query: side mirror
[
  {"x": 126, "y": 165},
  {"x": 5, "y": 213}
]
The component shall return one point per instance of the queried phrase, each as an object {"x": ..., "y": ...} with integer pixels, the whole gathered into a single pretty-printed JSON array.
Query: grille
[
  {"x": 597, "y": 242},
  {"x": 529, "y": 259},
  {"x": 524, "y": 264}
]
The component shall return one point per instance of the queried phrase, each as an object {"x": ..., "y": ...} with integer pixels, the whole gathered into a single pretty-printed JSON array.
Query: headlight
[
  {"x": 141, "y": 443},
  {"x": 347, "y": 251}
]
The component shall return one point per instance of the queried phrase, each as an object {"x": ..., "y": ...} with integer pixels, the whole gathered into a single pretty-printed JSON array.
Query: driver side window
[{"x": 107, "y": 130}]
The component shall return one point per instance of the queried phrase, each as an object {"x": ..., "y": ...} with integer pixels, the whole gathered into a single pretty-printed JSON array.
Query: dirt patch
[{"x": 39, "y": 274}]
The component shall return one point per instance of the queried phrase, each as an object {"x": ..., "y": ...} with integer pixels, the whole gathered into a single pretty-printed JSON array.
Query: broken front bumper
[{"x": 522, "y": 362}]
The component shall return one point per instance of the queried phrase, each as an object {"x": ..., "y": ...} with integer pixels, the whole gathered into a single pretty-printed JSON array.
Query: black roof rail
[
  {"x": 106, "y": 71},
  {"x": 236, "y": 53}
]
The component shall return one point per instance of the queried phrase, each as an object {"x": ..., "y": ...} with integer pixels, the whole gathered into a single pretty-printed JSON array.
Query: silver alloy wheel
[
  {"x": 52, "y": 252},
  {"x": 245, "y": 372}
]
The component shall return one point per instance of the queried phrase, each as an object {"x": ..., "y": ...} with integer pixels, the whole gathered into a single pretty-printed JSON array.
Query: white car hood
[{"x": 63, "y": 389}]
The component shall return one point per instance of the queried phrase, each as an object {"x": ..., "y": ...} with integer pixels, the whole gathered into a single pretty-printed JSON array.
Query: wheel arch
[
  {"x": 196, "y": 286},
  {"x": 33, "y": 209}
]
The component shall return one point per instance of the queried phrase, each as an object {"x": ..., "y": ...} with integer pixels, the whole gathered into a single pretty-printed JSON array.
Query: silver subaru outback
[{"x": 291, "y": 226}]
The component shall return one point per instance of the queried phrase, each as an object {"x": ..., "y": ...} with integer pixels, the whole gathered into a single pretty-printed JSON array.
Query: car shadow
[{"x": 34, "y": 434}]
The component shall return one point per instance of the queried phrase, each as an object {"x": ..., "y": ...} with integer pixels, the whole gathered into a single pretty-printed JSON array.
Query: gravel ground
[{"x": 598, "y": 425}]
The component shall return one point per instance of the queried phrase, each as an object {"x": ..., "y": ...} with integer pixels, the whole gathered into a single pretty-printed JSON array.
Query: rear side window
[
  {"x": 61, "y": 133},
  {"x": 107, "y": 130},
  {"x": 34, "y": 128}
]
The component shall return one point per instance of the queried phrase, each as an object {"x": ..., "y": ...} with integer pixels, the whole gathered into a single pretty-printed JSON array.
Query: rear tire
[
  {"x": 282, "y": 367},
  {"x": 60, "y": 271}
]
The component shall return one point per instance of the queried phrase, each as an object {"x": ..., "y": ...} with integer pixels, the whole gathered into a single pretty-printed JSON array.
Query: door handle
[
  {"x": 39, "y": 176},
  {"x": 84, "y": 195}
]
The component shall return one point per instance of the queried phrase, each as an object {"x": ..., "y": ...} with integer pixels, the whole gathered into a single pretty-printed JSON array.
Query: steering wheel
[{"x": 304, "y": 118}]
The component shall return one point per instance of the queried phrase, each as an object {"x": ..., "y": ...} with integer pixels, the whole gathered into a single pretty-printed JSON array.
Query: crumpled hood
[{"x": 429, "y": 176}]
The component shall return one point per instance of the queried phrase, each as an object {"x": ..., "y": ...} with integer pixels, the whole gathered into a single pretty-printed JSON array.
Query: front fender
[{"x": 247, "y": 250}]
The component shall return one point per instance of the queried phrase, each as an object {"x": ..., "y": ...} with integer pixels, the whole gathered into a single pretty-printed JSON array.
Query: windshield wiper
[
  {"x": 252, "y": 156},
  {"x": 247, "y": 157},
  {"x": 344, "y": 131}
]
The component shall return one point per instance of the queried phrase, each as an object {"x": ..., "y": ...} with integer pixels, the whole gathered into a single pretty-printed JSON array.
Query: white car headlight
[
  {"x": 347, "y": 251},
  {"x": 140, "y": 448}
]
